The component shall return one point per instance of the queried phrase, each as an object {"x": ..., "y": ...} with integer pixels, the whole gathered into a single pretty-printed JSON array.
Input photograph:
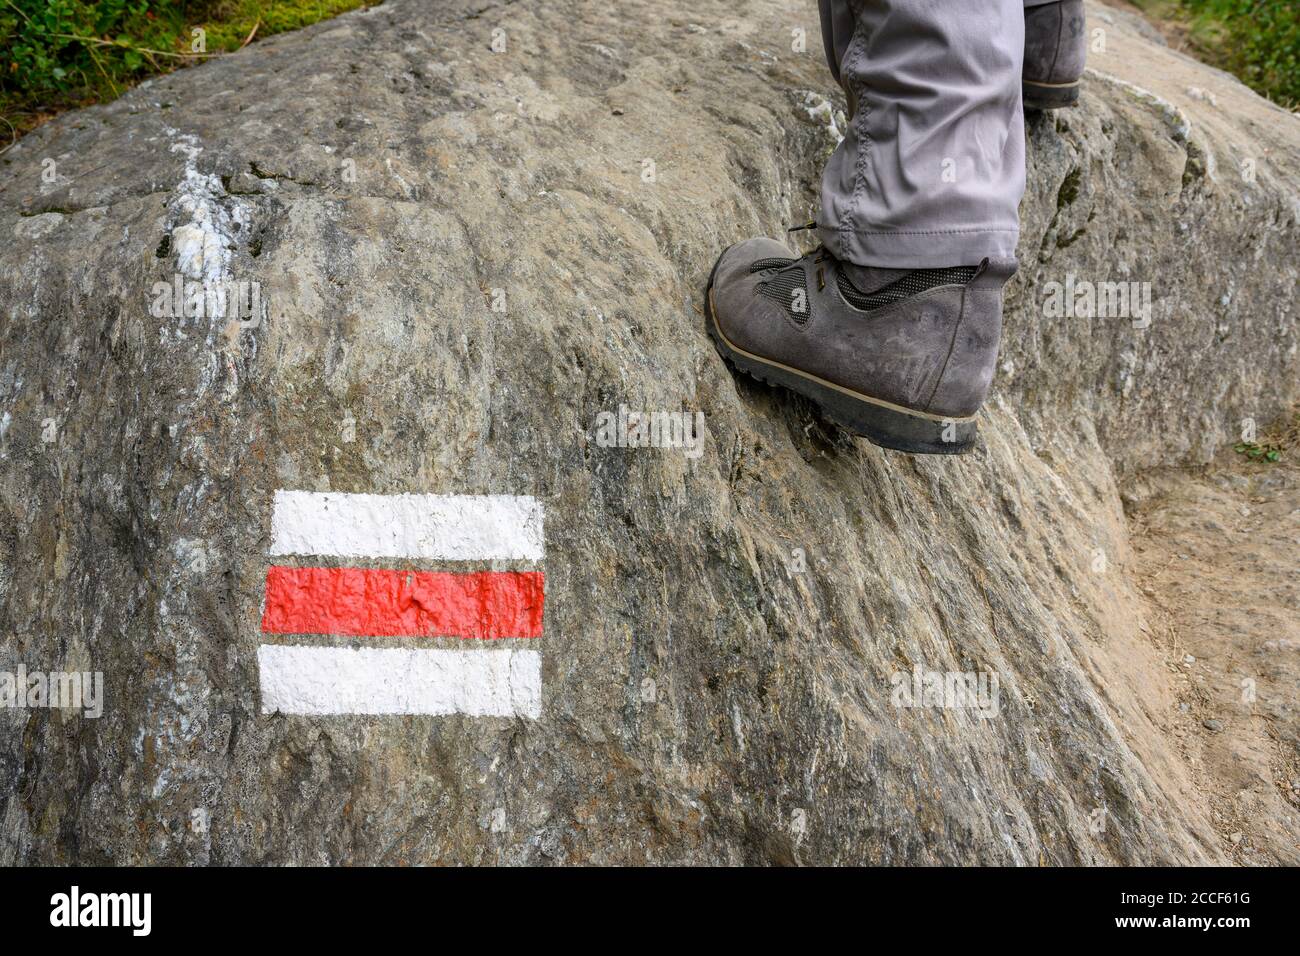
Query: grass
[
  {"x": 1257, "y": 40},
  {"x": 60, "y": 54}
]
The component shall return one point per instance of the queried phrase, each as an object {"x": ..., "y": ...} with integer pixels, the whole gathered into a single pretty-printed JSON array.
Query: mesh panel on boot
[
  {"x": 788, "y": 290},
  {"x": 774, "y": 262},
  {"x": 906, "y": 287}
]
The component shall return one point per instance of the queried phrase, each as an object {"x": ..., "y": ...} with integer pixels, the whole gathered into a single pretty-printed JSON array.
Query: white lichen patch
[
  {"x": 37, "y": 227},
  {"x": 820, "y": 110},
  {"x": 1172, "y": 115},
  {"x": 205, "y": 224}
]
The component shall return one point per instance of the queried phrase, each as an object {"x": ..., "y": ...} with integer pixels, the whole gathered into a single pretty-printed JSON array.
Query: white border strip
[
  {"x": 446, "y": 527},
  {"x": 345, "y": 680}
]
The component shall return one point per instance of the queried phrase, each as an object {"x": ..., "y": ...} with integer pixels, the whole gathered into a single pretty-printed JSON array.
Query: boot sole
[
  {"x": 881, "y": 423},
  {"x": 1049, "y": 96}
]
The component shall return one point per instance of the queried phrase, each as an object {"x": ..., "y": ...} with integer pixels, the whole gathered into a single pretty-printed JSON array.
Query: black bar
[{"x": 970, "y": 905}]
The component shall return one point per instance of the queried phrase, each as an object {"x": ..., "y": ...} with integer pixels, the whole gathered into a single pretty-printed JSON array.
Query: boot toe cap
[{"x": 733, "y": 291}]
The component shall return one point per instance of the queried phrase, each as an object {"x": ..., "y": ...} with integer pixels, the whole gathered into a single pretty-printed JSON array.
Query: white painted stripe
[
  {"x": 372, "y": 680},
  {"x": 447, "y": 527}
]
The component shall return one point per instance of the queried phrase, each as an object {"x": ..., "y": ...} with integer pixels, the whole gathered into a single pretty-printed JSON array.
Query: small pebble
[
  {"x": 1212, "y": 724},
  {"x": 1189, "y": 659},
  {"x": 1236, "y": 837}
]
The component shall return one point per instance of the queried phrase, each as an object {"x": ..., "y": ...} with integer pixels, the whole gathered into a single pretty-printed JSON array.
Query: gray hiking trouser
[{"x": 932, "y": 166}]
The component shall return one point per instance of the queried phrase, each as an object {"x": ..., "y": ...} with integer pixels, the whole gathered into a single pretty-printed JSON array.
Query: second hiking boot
[
  {"x": 1055, "y": 48},
  {"x": 901, "y": 357}
]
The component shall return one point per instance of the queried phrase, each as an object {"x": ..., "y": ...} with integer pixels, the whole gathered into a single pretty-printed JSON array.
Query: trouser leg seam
[{"x": 860, "y": 121}]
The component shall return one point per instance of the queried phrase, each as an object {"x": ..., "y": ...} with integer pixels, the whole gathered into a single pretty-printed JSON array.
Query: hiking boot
[
  {"x": 1055, "y": 48},
  {"x": 902, "y": 357}
]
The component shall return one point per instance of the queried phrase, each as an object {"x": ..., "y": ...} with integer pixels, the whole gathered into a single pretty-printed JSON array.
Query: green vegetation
[
  {"x": 56, "y": 54},
  {"x": 1277, "y": 443},
  {"x": 1257, "y": 452},
  {"x": 1258, "y": 40}
]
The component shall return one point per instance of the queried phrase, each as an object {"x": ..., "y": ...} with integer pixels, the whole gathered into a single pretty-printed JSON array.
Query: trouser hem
[{"x": 921, "y": 249}]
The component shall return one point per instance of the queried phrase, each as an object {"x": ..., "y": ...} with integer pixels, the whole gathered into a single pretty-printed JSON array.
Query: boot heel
[
  {"x": 1049, "y": 96},
  {"x": 901, "y": 431}
]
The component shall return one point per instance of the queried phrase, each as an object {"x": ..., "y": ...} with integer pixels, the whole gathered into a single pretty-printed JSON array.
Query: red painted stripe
[{"x": 382, "y": 603}]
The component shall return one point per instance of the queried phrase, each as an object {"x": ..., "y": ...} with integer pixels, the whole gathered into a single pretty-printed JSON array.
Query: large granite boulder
[{"x": 463, "y": 241}]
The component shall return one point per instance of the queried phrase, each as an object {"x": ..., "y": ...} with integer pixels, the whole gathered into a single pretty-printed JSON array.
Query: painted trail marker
[
  {"x": 374, "y": 680},
  {"x": 478, "y": 606},
  {"x": 379, "y": 603}
]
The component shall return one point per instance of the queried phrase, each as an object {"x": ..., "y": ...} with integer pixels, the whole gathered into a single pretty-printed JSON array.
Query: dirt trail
[{"x": 1216, "y": 554}]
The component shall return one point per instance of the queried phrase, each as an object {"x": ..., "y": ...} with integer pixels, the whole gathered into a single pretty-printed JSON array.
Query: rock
[
  {"x": 462, "y": 260},
  {"x": 1236, "y": 837},
  {"x": 1212, "y": 725}
]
